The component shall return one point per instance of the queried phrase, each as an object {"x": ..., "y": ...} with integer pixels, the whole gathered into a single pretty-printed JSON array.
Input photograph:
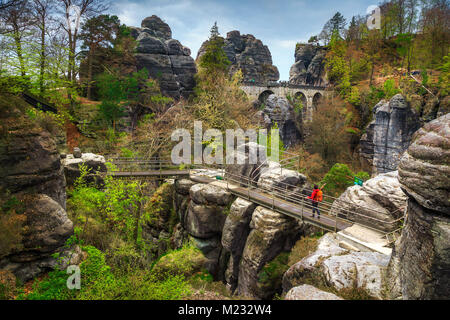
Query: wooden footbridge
[{"x": 279, "y": 197}]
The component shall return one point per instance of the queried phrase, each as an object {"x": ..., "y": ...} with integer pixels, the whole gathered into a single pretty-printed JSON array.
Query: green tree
[
  {"x": 99, "y": 31},
  {"x": 214, "y": 59}
]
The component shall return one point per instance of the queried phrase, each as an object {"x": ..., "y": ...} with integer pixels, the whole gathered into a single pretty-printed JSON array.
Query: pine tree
[{"x": 214, "y": 31}]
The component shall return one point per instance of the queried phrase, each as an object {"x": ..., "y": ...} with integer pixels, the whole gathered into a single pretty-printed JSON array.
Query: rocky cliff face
[
  {"x": 250, "y": 55},
  {"x": 237, "y": 237},
  {"x": 378, "y": 203},
  {"x": 389, "y": 134},
  {"x": 309, "y": 66},
  {"x": 166, "y": 59},
  {"x": 32, "y": 175},
  {"x": 420, "y": 263},
  {"x": 278, "y": 110}
]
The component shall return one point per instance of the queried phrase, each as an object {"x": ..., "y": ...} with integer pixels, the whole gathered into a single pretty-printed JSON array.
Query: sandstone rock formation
[
  {"x": 32, "y": 176},
  {"x": 378, "y": 203},
  {"x": 420, "y": 263},
  {"x": 95, "y": 164},
  {"x": 166, "y": 59},
  {"x": 234, "y": 236},
  {"x": 309, "y": 66},
  {"x": 250, "y": 55},
  {"x": 237, "y": 237},
  {"x": 389, "y": 134},
  {"x": 271, "y": 233},
  {"x": 307, "y": 292},
  {"x": 278, "y": 110},
  {"x": 333, "y": 266}
]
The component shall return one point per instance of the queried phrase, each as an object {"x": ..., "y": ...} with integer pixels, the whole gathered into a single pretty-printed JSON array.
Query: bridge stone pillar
[{"x": 309, "y": 108}]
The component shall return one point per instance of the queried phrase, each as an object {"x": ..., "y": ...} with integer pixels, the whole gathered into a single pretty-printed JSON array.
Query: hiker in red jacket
[{"x": 316, "y": 197}]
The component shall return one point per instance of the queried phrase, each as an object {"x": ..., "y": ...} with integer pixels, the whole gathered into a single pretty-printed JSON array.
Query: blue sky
[{"x": 279, "y": 24}]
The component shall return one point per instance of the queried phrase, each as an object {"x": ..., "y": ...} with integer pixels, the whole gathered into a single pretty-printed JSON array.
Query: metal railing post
[
  {"x": 302, "y": 208},
  {"x": 335, "y": 222},
  {"x": 248, "y": 187}
]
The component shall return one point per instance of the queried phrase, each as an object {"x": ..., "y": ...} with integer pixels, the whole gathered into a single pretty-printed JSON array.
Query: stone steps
[{"x": 365, "y": 239}]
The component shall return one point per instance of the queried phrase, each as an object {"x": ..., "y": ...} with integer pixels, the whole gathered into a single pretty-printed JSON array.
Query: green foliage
[
  {"x": 11, "y": 223},
  {"x": 270, "y": 276},
  {"x": 127, "y": 153},
  {"x": 338, "y": 67},
  {"x": 96, "y": 277},
  {"x": 182, "y": 262},
  {"x": 214, "y": 59},
  {"x": 363, "y": 175},
  {"x": 390, "y": 89},
  {"x": 339, "y": 178}
]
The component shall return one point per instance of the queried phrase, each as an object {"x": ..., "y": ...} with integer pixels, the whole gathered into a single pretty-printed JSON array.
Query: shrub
[
  {"x": 270, "y": 276},
  {"x": 7, "y": 285},
  {"x": 339, "y": 178},
  {"x": 185, "y": 261}
]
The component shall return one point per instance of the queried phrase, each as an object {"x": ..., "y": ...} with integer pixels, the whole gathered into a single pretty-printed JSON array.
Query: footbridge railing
[{"x": 278, "y": 196}]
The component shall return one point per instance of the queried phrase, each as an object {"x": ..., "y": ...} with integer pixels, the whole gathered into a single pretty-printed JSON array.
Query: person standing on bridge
[{"x": 316, "y": 197}]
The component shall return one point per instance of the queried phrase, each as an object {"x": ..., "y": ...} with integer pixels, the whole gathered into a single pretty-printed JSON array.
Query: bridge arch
[
  {"x": 300, "y": 96},
  {"x": 317, "y": 98},
  {"x": 262, "y": 98}
]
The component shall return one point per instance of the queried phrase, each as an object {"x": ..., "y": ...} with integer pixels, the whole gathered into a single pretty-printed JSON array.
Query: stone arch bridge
[{"x": 309, "y": 95}]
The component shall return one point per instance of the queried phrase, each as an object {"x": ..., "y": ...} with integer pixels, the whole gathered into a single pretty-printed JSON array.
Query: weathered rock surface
[
  {"x": 273, "y": 177},
  {"x": 250, "y": 55},
  {"x": 248, "y": 161},
  {"x": 165, "y": 58},
  {"x": 378, "y": 203},
  {"x": 47, "y": 228},
  {"x": 31, "y": 171},
  {"x": 207, "y": 193},
  {"x": 307, "y": 292},
  {"x": 234, "y": 236},
  {"x": 94, "y": 163},
  {"x": 336, "y": 267},
  {"x": 389, "y": 134},
  {"x": 420, "y": 264},
  {"x": 204, "y": 221},
  {"x": 278, "y": 110},
  {"x": 30, "y": 163},
  {"x": 309, "y": 66},
  {"x": 271, "y": 233}
]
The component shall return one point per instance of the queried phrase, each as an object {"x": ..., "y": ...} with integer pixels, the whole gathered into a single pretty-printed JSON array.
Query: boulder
[
  {"x": 333, "y": 266},
  {"x": 46, "y": 229},
  {"x": 76, "y": 152},
  {"x": 95, "y": 164},
  {"x": 307, "y": 292},
  {"x": 420, "y": 264},
  {"x": 378, "y": 203},
  {"x": 248, "y": 54},
  {"x": 272, "y": 176},
  {"x": 210, "y": 194}
]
